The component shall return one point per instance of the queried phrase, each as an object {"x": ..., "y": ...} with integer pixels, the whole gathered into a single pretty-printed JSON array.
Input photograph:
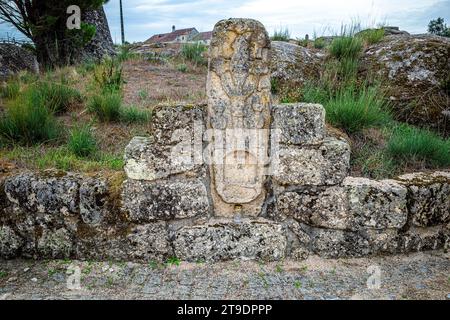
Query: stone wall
[
  {"x": 310, "y": 210},
  {"x": 200, "y": 188}
]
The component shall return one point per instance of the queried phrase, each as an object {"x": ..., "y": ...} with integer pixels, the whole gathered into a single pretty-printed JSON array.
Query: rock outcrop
[
  {"x": 414, "y": 71},
  {"x": 14, "y": 58},
  {"x": 294, "y": 64}
]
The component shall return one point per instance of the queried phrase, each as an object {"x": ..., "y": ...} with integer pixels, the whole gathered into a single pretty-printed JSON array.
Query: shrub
[
  {"x": 108, "y": 75},
  {"x": 182, "y": 67},
  {"x": 281, "y": 35},
  {"x": 354, "y": 110},
  {"x": 372, "y": 36},
  {"x": 28, "y": 121},
  {"x": 348, "y": 47},
  {"x": 409, "y": 144},
  {"x": 106, "y": 106},
  {"x": 10, "y": 89},
  {"x": 194, "y": 52},
  {"x": 81, "y": 142},
  {"x": 55, "y": 97},
  {"x": 133, "y": 114},
  {"x": 319, "y": 43}
]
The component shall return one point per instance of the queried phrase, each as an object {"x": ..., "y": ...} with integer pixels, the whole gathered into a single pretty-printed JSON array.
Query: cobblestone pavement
[{"x": 415, "y": 276}]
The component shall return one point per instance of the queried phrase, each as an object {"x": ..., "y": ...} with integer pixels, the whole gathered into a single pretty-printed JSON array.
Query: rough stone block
[
  {"x": 48, "y": 193},
  {"x": 300, "y": 123},
  {"x": 225, "y": 240},
  {"x": 149, "y": 242},
  {"x": 93, "y": 201},
  {"x": 175, "y": 146},
  {"x": 55, "y": 244},
  {"x": 164, "y": 200},
  {"x": 358, "y": 204},
  {"x": 376, "y": 204},
  {"x": 324, "y": 164},
  {"x": 428, "y": 197},
  {"x": 10, "y": 243}
]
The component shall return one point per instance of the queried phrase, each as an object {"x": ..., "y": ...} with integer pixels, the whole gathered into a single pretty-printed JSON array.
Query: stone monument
[{"x": 239, "y": 101}]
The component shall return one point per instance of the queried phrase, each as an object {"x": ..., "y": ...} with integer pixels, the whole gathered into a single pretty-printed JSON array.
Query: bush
[
  {"x": 10, "y": 89},
  {"x": 409, "y": 144},
  {"x": 133, "y": 114},
  {"x": 319, "y": 43},
  {"x": 108, "y": 75},
  {"x": 347, "y": 47},
  {"x": 106, "y": 106},
  {"x": 281, "y": 35},
  {"x": 28, "y": 121},
  {"x": 55, "y": 97},
  {"x": 194, "y": 52},
  {"x": 354, "y": 110},
  {"x": 372, "y": 36},
  {"x": 81, "y": 142}
]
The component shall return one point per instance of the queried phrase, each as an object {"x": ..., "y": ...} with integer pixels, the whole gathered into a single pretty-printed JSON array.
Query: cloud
[{"x": 143, "y": 18}]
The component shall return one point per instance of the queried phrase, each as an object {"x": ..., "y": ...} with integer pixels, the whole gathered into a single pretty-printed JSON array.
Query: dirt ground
[{"x": 414, "y": 276}]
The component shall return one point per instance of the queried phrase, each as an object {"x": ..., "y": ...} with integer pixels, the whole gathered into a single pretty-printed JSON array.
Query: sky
[{"x": 143, "y": 18}]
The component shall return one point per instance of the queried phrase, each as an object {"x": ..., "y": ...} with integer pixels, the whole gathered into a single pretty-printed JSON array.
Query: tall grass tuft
[
  {"x": 133, "y": 114},
  {"x": 194, "y": 53},
  {"x": 354, "y": 110},
  {"x": 10, "y": 89},
  {"x": 346, "y": 47},
  {"x": 409, "y": 144},
  {"x": 281, "y": 35},
  {"x": 28, "y": 121},
  {"x": 82, "y": 142},
  {"x": 106, "y": 106},
  {"x": 55, "y": 97},
  {"x": 108, "y": 75}
]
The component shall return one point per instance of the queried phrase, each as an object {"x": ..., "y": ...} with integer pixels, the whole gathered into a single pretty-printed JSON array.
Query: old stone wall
[{"x": 240, "y": 179}]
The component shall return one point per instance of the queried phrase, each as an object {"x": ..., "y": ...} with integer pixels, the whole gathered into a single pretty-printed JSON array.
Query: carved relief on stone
[{"x": 239, "y": 102}]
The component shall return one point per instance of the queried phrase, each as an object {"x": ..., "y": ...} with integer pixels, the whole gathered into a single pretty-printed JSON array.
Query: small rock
[
  {"x": 26, "y": 269},
  {"x": 34, "y": 279},
  {"x": 12, "y": 279}
]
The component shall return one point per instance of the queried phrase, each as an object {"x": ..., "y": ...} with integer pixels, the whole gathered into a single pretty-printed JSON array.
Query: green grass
[
  {"x": 10, "y": 89},
  {"x": 346, "y": 47},
  {"x": 42, "y": 157},
  {"x": 375, "y": 164},
  {"x": 194, "y": 52},
  {"x": 56, "y": 97},
  {"x": 411, "y": 145},
  {"x": 125, "y": 53},
  {"x": 372, "y": 36},
  {"x": 108, "y": 75},
  {"x": 82, "y": 142},
  {"x": 173, "y": 261},
  {"x": 106, "y": 106},
  {"x": 27, "y": 121},
  {"x": 319, "y": 43},
  {"x": 315, "y": 93},
  {"x": 354, "y": 110},
  {"x": 281, "y": 35},
  {"x": 133, "y": 114},
  {"x": 182, "y": 67}
]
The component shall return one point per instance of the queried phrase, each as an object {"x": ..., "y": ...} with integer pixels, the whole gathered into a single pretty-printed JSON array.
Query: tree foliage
[
  {"x": 438, "y": 27},
  {"x": 44, "y": 22}
]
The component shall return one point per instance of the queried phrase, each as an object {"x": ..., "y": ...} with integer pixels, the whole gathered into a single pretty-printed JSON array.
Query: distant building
[
  {"x": 203, "y": 37},
  {"x": 176, "y": 36}
]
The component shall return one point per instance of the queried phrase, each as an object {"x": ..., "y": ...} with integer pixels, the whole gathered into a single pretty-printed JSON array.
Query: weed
[{"x": 82, "y": 142}]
